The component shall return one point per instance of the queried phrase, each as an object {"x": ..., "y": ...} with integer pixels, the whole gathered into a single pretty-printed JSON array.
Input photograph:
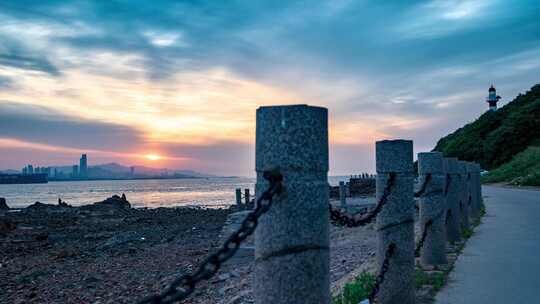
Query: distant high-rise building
[
  {"x": 75, "y": 171},
  {"x": 55, "y": 172},
  {"x": 30, "y": 169},
  {"x": 83, "y": 166},
  {"x": 132, "y": 170},
  {"x": 24, "y": 171}
]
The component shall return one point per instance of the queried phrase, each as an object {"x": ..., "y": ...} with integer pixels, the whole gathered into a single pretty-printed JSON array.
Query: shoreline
[{"x": 125, "y": 179}]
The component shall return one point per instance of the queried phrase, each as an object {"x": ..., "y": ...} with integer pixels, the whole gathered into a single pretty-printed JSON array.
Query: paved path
[{"x": 501, "y": 262}]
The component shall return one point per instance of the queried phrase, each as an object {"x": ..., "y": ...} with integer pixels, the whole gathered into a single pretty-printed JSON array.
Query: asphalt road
[{"x": 501, "y": 262}]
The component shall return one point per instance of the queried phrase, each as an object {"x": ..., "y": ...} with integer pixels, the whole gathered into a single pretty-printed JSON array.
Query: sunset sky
[{"x": 181, "y": 80}]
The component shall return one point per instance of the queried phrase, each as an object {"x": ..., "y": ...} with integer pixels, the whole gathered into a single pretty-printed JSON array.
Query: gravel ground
[
  {"x": 58, "y": 254},
  {"x": 115, "y": 254},
  {"x": 350, "y": 248}
]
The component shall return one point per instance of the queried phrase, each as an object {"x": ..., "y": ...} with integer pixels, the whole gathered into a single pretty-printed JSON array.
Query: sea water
[{"x": 152, "y": 193}]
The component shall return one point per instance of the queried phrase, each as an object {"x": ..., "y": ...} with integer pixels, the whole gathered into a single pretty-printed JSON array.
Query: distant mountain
[
  {"x": 496, "y": 137},
  {"x": 117, "y": 170}
]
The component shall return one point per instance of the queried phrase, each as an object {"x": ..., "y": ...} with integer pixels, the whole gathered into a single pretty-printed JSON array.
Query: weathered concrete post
[
  {"x": 480, "y": 200},
  {"x": 247, "y": 197},
  {"x": 342, "y": 195},
  {"x": 471, "y": 183},
  {"x": 292, "y": 239},
  {"x": 238, "y": 196},
  {"x": 395, "y": 222},
  {"x": 433, "y": 208},
  {"x": 453, "y": 222},
  {"x": 464, "y": 204}
]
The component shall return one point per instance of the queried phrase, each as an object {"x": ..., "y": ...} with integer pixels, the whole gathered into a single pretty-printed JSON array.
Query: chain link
[
  {"x": 420, "y": 244},
  {"x": 342, "y": 219},
  {"x": 423, "y": 189},
  {"x": 384, "y": 268},
  {"x": 183, "y": 286}
]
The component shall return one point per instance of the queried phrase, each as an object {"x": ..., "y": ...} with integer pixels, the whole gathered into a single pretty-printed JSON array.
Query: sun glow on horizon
[{"x": 153, "y": 157}]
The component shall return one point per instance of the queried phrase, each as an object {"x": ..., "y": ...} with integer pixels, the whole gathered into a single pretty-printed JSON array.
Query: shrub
[{"x": 357, "y": 290}]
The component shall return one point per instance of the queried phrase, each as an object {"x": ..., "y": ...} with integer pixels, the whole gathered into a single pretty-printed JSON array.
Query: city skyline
[{"x": 139, "y": 83}]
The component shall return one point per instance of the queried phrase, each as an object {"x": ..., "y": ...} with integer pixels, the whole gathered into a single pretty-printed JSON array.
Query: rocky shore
[{"x": 108, "y": 252}]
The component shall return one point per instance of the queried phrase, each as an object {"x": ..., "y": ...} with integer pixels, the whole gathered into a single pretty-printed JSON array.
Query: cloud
[
  {"x": 6, "y": 82},
  {"x": 15, "y": 54},
  {"x": 28, "y": 63},
  {"x": 411, "y": 69},
  {"x": 37, "y": 124}
]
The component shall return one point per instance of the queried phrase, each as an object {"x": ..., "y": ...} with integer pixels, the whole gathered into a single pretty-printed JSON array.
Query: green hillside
[
  {"x": 496, "y": 138},
  {"x": 523, "y": 169}
]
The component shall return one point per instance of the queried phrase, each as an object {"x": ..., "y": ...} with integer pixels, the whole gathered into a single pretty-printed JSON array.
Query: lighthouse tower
[{"x": 492, "y": 99}]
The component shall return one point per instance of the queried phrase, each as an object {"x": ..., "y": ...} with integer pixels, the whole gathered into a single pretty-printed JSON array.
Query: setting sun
[{"x": 152, "y": 157}]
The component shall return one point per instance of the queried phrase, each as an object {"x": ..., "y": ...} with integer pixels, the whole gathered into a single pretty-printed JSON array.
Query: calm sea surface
[{"x": 141, "y": 193}]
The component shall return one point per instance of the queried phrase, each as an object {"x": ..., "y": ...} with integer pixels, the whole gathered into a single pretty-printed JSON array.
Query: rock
[
  {"x": 424, "y": 291},
  {"x": 120, "y": 239},
  {"x": 40, "y": 207},
  {"x": 221, "y": 277},
  {"x": 115, "y": 202},
  {"x": 62, "y": 203},
  {"x": 42, "y": 236},
  {"x": 7, "y": 225},
  {"x": 3, "y": 205},
  {"x": 67, "y": 253},
  {"x": 97, "y": 235}
]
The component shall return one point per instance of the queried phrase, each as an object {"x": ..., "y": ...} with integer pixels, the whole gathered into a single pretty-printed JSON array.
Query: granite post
[
  {"x": 342, "y": 195},
  {"x": 465, "y": 198},
  {"x": 479, "y": 187},
  {"x": 395, "y": 222},
  {"x": 433, "y": 208},
  {"x": 247, "y": 196},
  {"x": 292, "y": 238},
  {"x": 238, "y": 196},
  {"x": 471, "y": 183},
  {"x": 453, "y": 214}
]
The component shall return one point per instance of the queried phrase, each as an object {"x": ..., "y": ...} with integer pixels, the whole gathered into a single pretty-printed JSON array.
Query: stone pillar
[
  {"x": 247, "y": 197},
  {"x": 471, "y": 183},
  {"x": 453, "y": 222},
  {"x": 292, "y": 239},
  {"x": 395, "y": 222},
  {"x": 464, "y": 204},
  {"x": 433, "y": 208},
  {"x": 478, "y": 181},
  {"x": 238, "y": 196},
  {"x": 342, "y": 195}
]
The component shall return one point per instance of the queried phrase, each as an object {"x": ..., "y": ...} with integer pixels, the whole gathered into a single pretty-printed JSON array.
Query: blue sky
[{"x": 182, "y": 79}]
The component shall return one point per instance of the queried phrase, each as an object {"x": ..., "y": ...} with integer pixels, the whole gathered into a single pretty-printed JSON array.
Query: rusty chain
[
  {"x": 183, "y": 286},
  {"x": 343, "y": 219},
  {"x": 384, "y": 268},
  {"x": 420, "y": 244}
]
